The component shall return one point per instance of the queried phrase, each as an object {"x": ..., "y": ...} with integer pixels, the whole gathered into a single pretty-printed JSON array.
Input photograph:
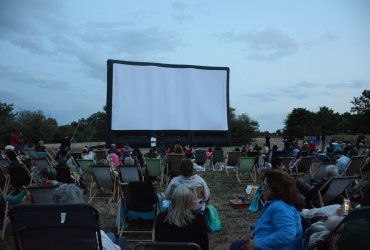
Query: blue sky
[{"x": 282, "y": 54}]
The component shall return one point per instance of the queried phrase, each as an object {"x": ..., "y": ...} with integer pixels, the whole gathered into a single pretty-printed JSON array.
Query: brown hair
[
  {"x": 178, "y": 149},
  {"x": 186, "y": 167},
  {"x": 283, "y": 187}
]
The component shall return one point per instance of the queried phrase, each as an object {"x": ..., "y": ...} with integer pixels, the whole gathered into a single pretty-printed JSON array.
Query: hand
[{"x": 250, "y": 245}]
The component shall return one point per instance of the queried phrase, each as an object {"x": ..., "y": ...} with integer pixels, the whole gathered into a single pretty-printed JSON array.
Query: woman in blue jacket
[{"x": 279, "y": 224}]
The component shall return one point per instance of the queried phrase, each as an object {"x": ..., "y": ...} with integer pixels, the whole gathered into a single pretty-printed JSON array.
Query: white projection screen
[{"x": 168, "y": 100}]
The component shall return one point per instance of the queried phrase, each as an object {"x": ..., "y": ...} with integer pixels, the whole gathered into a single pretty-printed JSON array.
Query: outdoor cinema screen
[{"x": 167, "y": 97}]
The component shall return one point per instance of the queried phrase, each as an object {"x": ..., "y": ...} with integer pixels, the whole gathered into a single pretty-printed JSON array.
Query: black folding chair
[{"x": 55, "y": 226}]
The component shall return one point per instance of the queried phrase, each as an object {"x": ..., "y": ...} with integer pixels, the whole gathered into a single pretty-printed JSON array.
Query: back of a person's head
[
  {"x": 277, "y": 179},
  {"x": 331, "y": 171},
  {"x": 129, "y": 161},
  {"x": 67, "y": 194},
  {"x": 186, "y": 167},
  {"x": 179, "y": 212},
  {"x": 178, "y": 149}
]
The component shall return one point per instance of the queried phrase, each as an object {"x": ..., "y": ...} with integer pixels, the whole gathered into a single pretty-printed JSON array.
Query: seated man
[
  {"x": 342, "y": 162},
  {"x": 71, "y": 194}
]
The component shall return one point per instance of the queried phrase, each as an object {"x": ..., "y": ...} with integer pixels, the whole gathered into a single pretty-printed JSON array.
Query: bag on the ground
[
  {"x": 211, "y": 218},
  {"x": 250, "y": 190},
  {"x": 254, "y": 206}
]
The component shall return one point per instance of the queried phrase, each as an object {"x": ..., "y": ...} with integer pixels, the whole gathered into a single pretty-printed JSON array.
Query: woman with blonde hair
[{"x": 179, "y": 224}]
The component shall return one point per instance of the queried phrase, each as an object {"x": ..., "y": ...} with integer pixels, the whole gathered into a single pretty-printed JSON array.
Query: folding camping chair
[
  {"x": 19, "y": 176},
  {"x": 154, "y": 169},
  {"x": 334, "y": 187},
  {"x": 104, "y": 179},
  {"x": 173, "y": 165},
  {"x": 40, "y": 194},
  {"x": 139, "y": 202},
  {"x": 55, "y": 226},
  {"x": 200, "y": 158},
  {"x": 167, "y": 246},
  {"x": 247, "y": 166},
  {"x": 218, "y": 160},
  {"x": 354, "y": 166},
  {"x": 85, "y": 166},
  {"x": 40, "y": 164},
  {"x": 232, "y": 161},
  {"x": 304, "y": 165}
]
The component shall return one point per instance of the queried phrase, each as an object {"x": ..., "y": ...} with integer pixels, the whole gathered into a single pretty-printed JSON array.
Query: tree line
[{"x": 35, "y": 126}]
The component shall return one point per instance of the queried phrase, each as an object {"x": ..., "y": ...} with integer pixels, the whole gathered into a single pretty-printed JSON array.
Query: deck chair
[
  {"x": 334, "y": 187},
  {"x": 139, "y": 202},
  {"x": 85, "y": 166},
  {"x": 247, "y": 166},
  {"x": 353, "y": 231},
  {"x": 4, "y": 163},
  {"x": 232, "y": 161},
  {"x": 41, "y": 154},
  {"x": 55, "y": 226},
  {"x": 304, "y": 166},
  {"x": 4, "y": 219},
  {"x": 4, "y": 181},
  {"x": 40, "y": 194},
  {"x": 40, "y": 164},
  {"x": 167, "y": 246},
  {"x": 320, "y": 173},
  {"x": 100, "y": 155},
  {"x": 200, "y": 157},
  {"x": 76, "y": 155},
  {"x": 218, "y": 160},
  {"x": 154, "y": 169},
  {"x": 285, "y": 161},
  {"x": 104, "y": 180},
  {"x": 354, "y": 166},
  {"x": 64, "y": 175},
  {"x": 173, "y": 165},
  {"x": 19, "y": 176}
]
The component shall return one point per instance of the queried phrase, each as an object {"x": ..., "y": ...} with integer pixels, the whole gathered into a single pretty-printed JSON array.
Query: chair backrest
[
  {"x": 252, "y": 153},
  {"x": 19, "y": 176},
  {"x": 354, "y": 165},
  {"x": 64, "y": 175},
  {"x": 140, "y": 196},
  {"x": 40, "y": 164},
  {"x": 336, "y": 187},
  {"x": 41, "y": 194},
  {"x": 103, "y": 176},
  {"x": 153, "y": 166},
  {"x": 321, "y": 171},
  {"x": 356, "y": 230},
  {"x": 55, "y": 226},
  {"x": 129, "y": 173},
  {"x": 233, "y": 158},
  {"x": 32, "y": 154},
  {"x": 304, "y": 165},
  {"x": 167, "y": 246},
  {"x": 85, "y": 165},
  {"x": 76, "y": 155},
  {"x": 246, "y": 164},
  {"x": 200, "y": 156},
  {"x": 174, "y": 161},
  {"x": 41, "y": 154},
  {"x": 100, "y": 154},
  {"x": 285, "y": 161},
  {"x": 4, "y": 163},
  {"x": 218, "y": 155}
]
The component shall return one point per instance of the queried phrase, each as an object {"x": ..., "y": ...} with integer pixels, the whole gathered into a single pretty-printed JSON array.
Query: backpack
[{"x": 211, "y": 219}]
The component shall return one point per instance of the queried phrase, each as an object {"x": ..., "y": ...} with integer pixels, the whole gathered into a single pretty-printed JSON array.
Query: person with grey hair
[
  {"x": 179, "y": 223},
  {"x": 310, "y": 191},
  {"x": 71, "y": 194},
  {"x": 192, "y": 180}
]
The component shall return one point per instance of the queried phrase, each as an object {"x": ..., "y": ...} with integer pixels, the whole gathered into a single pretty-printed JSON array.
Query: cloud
[
  {"x": 269, "y": 44},
  {"x": 181, "y": 11},
  {"x": 349, "y": 84},
  {"x": 327, "y": 37}
]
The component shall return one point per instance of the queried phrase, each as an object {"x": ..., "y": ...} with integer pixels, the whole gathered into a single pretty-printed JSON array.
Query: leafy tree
[
  {"x": 35, "y": 126},
  {"x": 7, "y": 122},
  {"x": 326, "y": 121},
  {"x": 361, "y": 109},
  {"x": 300, "y": 122},
  {"x": 242, "y": 127}
]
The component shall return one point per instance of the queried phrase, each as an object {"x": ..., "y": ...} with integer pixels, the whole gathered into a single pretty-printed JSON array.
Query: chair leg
[{"x": 237, "y": 177}]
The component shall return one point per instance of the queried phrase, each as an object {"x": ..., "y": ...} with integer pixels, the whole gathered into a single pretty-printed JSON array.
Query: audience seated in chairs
[
  {"x": 191, "y": 180},
  {"x": 279, "y": 225},
  {"x": 71, "y": 194},
  {"x": 179, "y": 223},
  {"x": 309, "y": 191}
]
